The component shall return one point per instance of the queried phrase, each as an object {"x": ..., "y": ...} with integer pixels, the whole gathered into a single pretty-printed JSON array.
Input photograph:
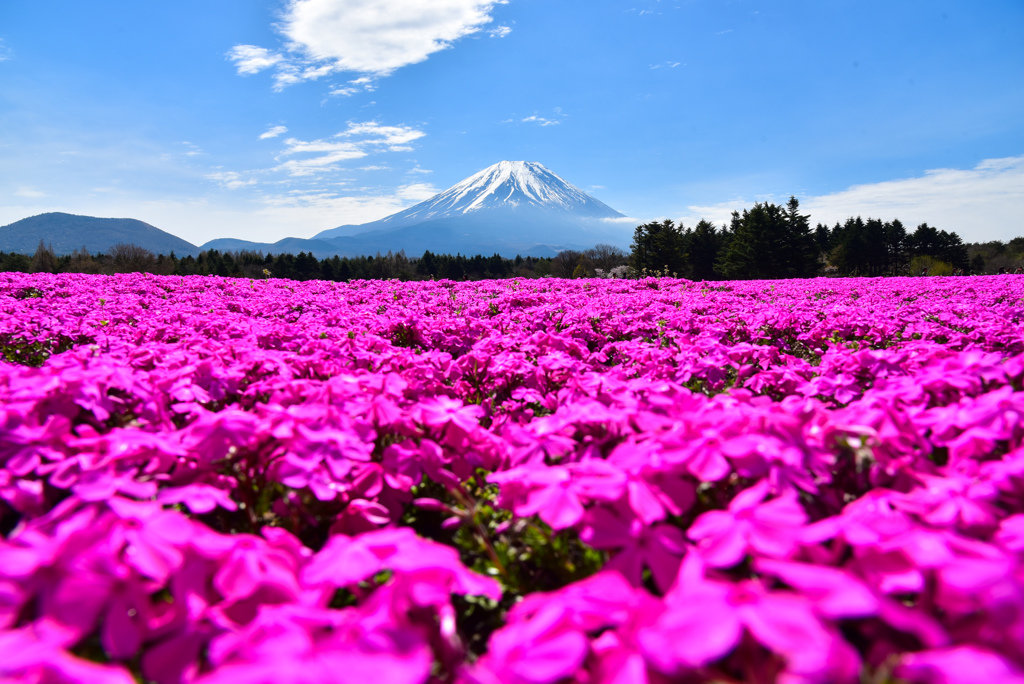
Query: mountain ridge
[{"x": 68, "y": 232}]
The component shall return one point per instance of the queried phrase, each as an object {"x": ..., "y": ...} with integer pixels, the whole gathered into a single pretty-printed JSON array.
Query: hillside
[{"x": 68, "y": 232}]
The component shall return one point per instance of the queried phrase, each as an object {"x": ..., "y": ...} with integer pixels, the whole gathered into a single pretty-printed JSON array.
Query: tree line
[
  {"x": 130, "y": 258},
  {"x": 773, "y": 241}
]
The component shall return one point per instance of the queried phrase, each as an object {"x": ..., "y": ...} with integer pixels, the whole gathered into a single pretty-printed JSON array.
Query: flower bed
[{"x": 214, "y": 480}]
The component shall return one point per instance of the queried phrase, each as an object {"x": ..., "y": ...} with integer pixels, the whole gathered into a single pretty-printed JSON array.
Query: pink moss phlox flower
[
  {"x": 61, "y": 564},
  {"x": 213, "y": 437},
  {"x": 24, "y": 446},
  {"x": 749, "y": 525},
  {"x": 153, "y": 538},
  {"x": 103, "y": 484},
  {"x": 605, "y": 599},
  {"x": 868, "y": 520},
  {"x": 254, "y": 573},
  {"x": 454, "y": 420},
  {"x": 834, "y": 593},
  {"x": 359, "y": 516},
  {"x": 546, "y": 635},
  {"x": 1011, "y": 533},
  {"x": 974, "y": 425},
  {"x": 958, "y": 665},
  {"x": 705, "y": 619},
  {"x": 26, "y": 658},
  {"x": 559, "y": 494},
  {"x": 346, "y": 561},
  {"x": 658, "y": 547},
  {"x": 301, "y": 645},
  {"x": 198, "y": 497},
  {"x": 546, "y": 648},
  {"x": 701, "y": 451},
  {"x": 955, "y": 500},
  {"x": 655, "y": 487},
  {"x": 874, "y": 425}
]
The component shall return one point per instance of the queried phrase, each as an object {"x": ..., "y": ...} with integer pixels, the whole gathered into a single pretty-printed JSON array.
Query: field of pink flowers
[{"x": 508, "y": 482}]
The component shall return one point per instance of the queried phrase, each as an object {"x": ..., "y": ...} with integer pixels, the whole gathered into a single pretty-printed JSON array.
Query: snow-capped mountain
[
  {"x": 513, "y": 207},
  {"x": 519, "y": 189},
  {"x": 506, "y": 185}
]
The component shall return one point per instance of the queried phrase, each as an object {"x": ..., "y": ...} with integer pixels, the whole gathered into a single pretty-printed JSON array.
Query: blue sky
[{"x": 261, "y": 119}]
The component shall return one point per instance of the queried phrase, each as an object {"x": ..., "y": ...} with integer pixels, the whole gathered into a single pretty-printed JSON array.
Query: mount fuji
[{"x": 512, "y": 207}]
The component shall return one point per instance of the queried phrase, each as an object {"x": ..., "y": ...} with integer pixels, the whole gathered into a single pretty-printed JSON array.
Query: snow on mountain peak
[{"x": 507, "y": 185}]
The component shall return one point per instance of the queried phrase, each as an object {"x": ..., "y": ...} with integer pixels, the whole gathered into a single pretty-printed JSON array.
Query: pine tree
[
  {"x": 705, "y": 244},
  {"x": 659, "y": 247},
  {"x": 758, "y": 246},
  {"x": 799, "y": 250}
]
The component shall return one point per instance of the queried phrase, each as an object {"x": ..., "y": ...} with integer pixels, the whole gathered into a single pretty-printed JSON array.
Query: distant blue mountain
[{"x": 68, "y": 232}]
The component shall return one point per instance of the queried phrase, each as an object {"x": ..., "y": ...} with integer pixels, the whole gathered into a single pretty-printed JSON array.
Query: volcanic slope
[{"x": 512, "y": 207}]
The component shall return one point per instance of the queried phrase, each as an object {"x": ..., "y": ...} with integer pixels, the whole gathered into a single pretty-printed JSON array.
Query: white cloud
[
  {"x": 29, "y": 192},
  {"x": 231, "y": 180},
  {"x": 980, "y": 204},
  {"x": 387, "y": 135},
  {"x": 500, "y": 31},
  {"x": 416, "y": 192},
  {"x": 379, "y": 36},
  {"x": 192, "y": 150},
  {"x": 541, "y": 121},
  {"x": 356, "y": 142},
  {"x": 666, "y": 65},
  {"x": 373, "y": 37},
  {"x": 273, "y": 132},
  {"x": 5, "y": 52},
  {"x": 251, "y": 59}
]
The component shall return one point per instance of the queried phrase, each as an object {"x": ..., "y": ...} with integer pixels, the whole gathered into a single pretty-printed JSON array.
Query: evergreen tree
[
  {"x": 823, "y": 238},
  {"x": 759, "y": 245},
  {"x": 705, "y": 244},
  {"x": 895, "y": 247},
  {"x": 659, "y": 247},
  {"x": 799, "y": 249},
  {"x": 978, "y": 264}
]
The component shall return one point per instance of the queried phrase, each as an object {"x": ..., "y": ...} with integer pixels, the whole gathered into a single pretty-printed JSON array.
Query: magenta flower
[
  {"x": 659, "y": 547},
  {"x": 558, "y": 494},
  {"x": 199, "y": 497},
  {"x": 705, "y": 620},
  {"x": 346, "y": 561},
  {"x": 1011, "y": 533},
  {"x": 153, "y": 538},
  {"x": 546, "y": 648},
  {"x": 28, "y": 659},
  {"x": 958, "y": 665},
  {"x": 748, "y": 525},
  {"x": 456, "y": 419},
  {"x": 655, "y": 486},
  {"x": 834, "y": 593}
]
